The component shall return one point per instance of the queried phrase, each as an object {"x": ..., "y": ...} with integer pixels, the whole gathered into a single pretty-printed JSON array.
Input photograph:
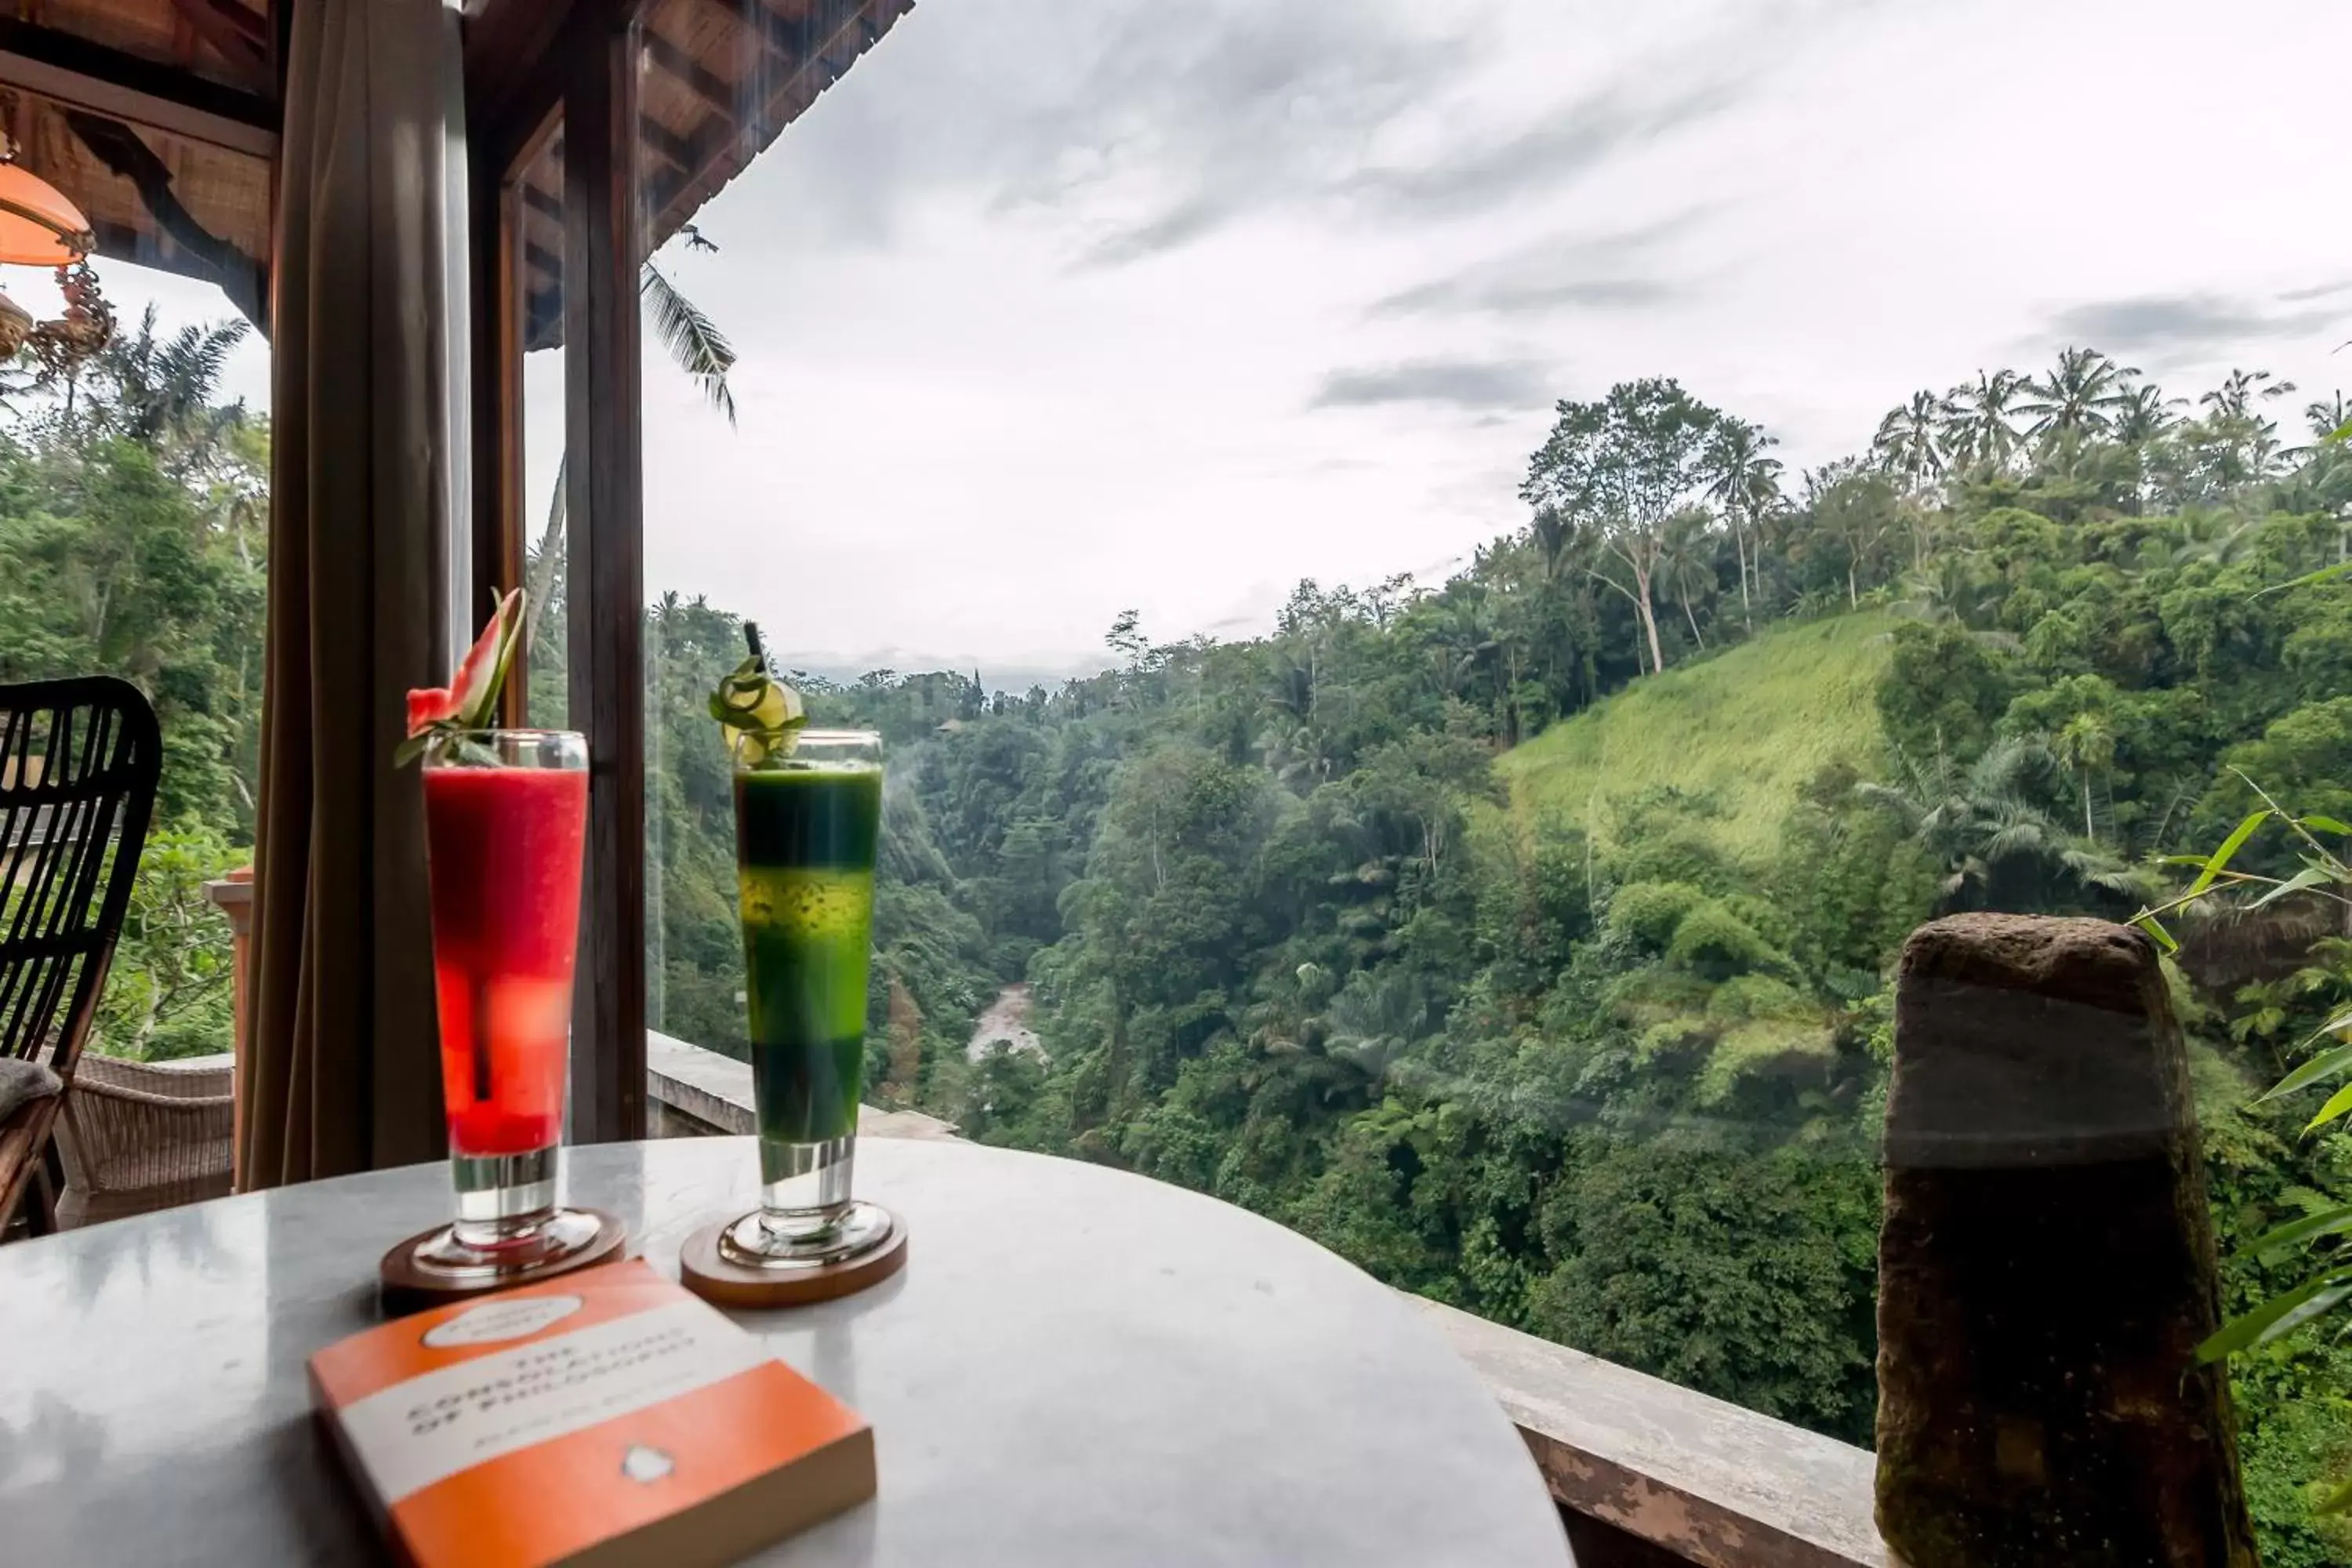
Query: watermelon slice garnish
[{"x": 470, "y": 701}]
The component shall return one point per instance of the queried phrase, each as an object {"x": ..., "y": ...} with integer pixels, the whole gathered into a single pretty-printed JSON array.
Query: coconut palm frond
[
  {"x": 2023, "y": 832},
  {"x": 692, "y": 339},
  {"x": 2103, "y": 872},
  {"x": 1891, "y": 799}
]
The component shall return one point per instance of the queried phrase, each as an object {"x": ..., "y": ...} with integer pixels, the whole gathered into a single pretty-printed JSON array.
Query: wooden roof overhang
[
  {"x": 722, "y": 80},
  {"x": 160, "y": 117}
]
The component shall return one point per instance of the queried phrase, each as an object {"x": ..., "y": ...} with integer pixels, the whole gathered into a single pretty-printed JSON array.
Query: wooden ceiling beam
[
  {"x": 804, "y": 45},
  {"x": 698, "y": 79},
  {"x": 686, "y": 153},
  {"x": 75, "y": 71},
  {"x": 792, "y": 41},
  {"x": 238, "y": 36}
]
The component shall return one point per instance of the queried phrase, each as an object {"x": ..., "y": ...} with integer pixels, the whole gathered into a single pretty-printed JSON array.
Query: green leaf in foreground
[
  {"x": 2310, "y": 1228},
  {"x": 2282, "y": 1314},
  {"x": 2338, "y": 1104},
  {"x": 2326, "y": 1064},
  {"x": 2219, "y": 861},
  {"x": 2309, "y": 877}
]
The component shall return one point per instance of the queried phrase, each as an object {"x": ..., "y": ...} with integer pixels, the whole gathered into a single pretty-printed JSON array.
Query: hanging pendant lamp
[{"x": 38, "y": 227}]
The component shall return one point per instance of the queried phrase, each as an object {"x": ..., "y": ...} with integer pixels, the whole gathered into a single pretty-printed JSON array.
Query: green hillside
[{"x": 1742, "y": 731}]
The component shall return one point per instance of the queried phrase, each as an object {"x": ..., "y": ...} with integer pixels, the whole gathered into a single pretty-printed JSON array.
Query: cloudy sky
[{"x": 1051, "y": 308}]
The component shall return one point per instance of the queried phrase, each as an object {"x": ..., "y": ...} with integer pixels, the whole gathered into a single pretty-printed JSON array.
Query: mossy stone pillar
[{"x": 2047, "y": 1263}]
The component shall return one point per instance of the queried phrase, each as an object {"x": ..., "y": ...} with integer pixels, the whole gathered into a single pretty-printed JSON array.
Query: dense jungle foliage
[
  {"x": 133, "y": 538},
  {"x": 1523, "y": 938}
]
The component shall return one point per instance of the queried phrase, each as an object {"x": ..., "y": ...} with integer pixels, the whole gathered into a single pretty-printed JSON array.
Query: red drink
[{"x": 504, "y": 844}]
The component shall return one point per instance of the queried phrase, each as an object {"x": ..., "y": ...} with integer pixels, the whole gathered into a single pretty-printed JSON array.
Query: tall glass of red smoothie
[{"x": 506, "y": 814}]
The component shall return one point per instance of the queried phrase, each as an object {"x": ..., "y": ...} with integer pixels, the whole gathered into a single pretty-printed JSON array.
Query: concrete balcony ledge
[
  {"x": 1689, "y": 1478},
  {"x": 697, "y": 1092}
]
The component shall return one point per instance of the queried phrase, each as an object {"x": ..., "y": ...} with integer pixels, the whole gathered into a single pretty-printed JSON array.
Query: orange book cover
[{"x": 607, "y": 1417}]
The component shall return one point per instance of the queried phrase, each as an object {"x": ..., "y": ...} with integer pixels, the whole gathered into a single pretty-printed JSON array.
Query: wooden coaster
[
  {"x": 403, "y": 1287},
  {"x": 707, "y": 1272}
]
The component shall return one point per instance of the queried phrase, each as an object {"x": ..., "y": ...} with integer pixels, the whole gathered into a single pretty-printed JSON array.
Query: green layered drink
[
  {"x": 808, "y": 810},
  {"x": 806, "y": 826}
]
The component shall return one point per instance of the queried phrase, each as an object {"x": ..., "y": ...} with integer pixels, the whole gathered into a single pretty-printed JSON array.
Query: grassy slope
[{"x": 1743, "y": 731}]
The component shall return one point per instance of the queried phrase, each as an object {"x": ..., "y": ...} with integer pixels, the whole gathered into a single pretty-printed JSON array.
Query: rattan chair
[
  {"x": 138, "y": 1136},
  {"x": 78, "y": 762}
]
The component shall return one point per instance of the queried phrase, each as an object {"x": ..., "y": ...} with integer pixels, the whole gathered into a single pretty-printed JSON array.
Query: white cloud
[{"x": 1051, "y": 308}]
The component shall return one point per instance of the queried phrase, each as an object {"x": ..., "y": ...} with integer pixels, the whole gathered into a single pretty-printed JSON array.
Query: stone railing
[
  {"x": 692, "y": 1092},
  {"x": 1645, "y": 1473}
]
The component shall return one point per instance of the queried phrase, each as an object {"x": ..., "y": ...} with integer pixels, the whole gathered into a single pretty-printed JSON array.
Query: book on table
[{"x": 607, "y": 1417}]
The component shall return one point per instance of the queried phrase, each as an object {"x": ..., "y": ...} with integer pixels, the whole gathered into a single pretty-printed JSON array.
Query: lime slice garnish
[
  {"x": 760, "y": 713},
  {"x": 776, "y": 707}
]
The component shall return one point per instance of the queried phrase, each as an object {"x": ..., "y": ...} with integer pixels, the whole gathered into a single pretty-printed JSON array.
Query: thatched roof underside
[
  {"x": 158, "y": 198},
  {"x": 154, "y": 199}
]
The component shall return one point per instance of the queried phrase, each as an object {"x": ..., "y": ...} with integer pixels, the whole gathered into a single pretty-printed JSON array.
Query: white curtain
[{"x": 368, "y": 595}]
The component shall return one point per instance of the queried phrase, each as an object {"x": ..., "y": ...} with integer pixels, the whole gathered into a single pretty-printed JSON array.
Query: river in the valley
[{"x": 1006, "y": 1024}]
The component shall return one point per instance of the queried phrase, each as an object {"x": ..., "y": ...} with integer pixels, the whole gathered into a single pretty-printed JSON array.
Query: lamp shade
[{"x": 38, "y": 227}]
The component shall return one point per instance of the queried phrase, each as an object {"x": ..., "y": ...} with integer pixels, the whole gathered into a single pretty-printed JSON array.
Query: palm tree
[
  {"x": 161, "y": 392},
  {"x": 1746, "y": 483},
  {"x": 1686, "y": 561},
  {"x": 1375, "y": 1018},
  {"x": 695, "y": 344},
  {"x": 2145, "y": 414},
  {"x": 2244, "y": 446},
  {"x": 1910, "y": 440},
  {"x": 1997, "y": 847},
  {"x": 2086, "y": 746},
  {"x": 2144, "y": 422},
  {"x": 1979, "y": 420},
  {"x": 693, "y": 341},
  {"x": 2330, "y": 419},
  {"x": 2239, "y": 391},
  {"x": 1946, "y": 590},
  {"x": 2078, "y": 398},
  {"x": 1552, "y": 533}
]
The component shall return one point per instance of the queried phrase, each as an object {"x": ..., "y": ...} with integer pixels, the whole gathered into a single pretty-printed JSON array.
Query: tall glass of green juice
[{"x": 807, "y": 816}]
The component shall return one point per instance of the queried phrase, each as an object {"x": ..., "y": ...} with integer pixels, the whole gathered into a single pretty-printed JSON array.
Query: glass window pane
[
  {"x": 134, "y": 522},
  {"x": 1444, "y": 587},
  {"x": 535, "y": 212}
]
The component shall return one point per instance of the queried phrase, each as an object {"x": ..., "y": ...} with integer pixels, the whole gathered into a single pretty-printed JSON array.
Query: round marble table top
[{"x": 1076, "y": 1367}]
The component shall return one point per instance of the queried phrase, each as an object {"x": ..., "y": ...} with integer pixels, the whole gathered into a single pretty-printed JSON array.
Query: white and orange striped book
[{"x": 607, "y": 1418}]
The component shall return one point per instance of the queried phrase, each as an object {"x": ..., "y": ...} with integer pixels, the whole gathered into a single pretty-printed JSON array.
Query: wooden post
[
  {"x": 494, "y": 285},
  {"x": 606, "y": 596},
  {"x": 232, "y": 896},
  {"x": 2047, "y": 1263}
]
